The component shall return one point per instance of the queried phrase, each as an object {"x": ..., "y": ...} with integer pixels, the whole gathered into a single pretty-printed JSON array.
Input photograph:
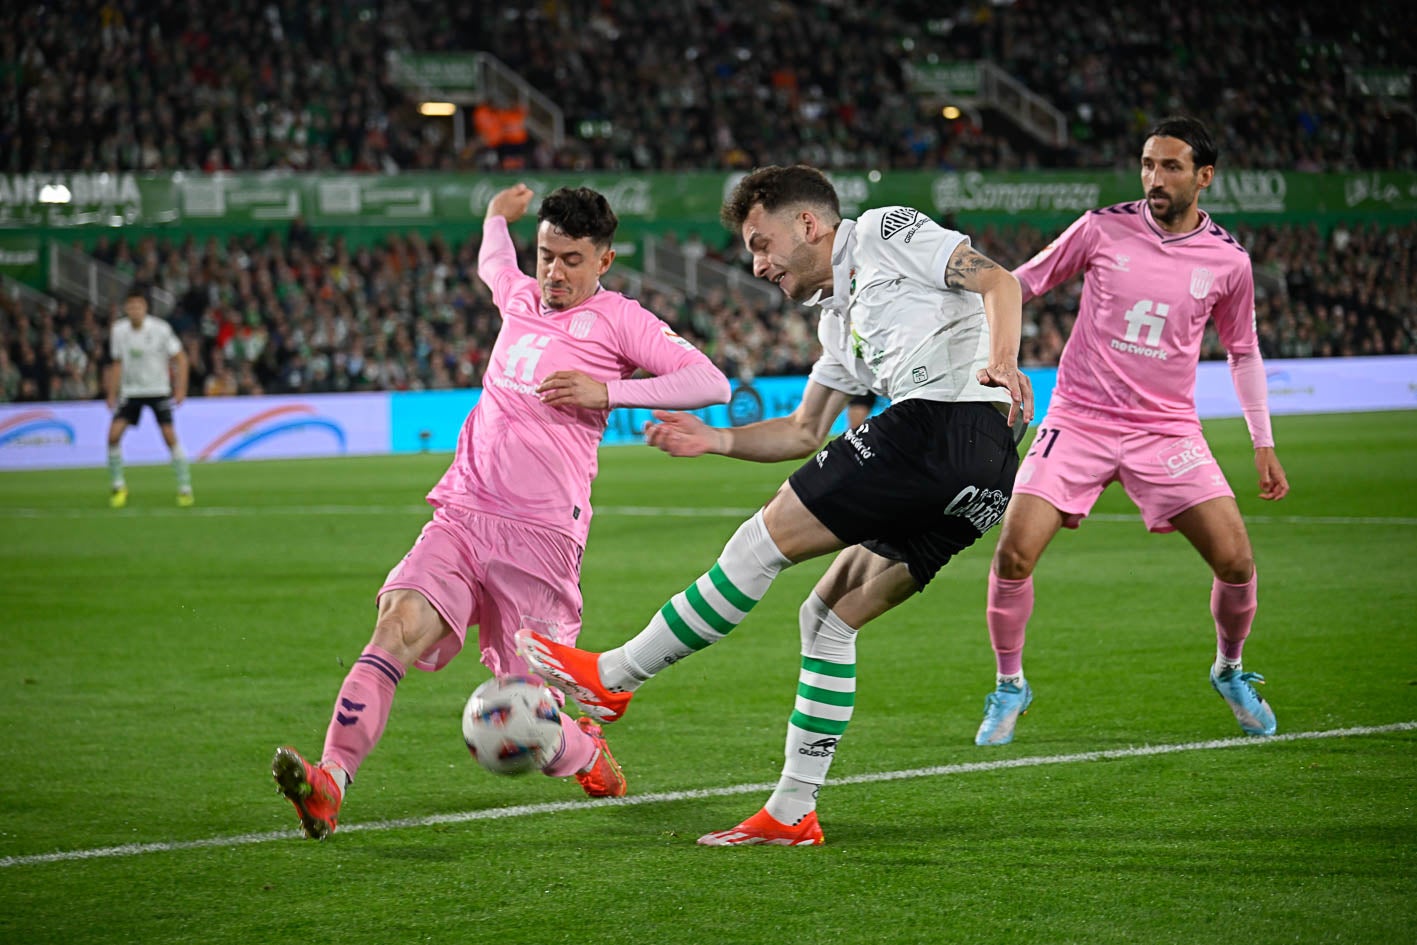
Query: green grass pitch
[{"x": 153, "y": 658}]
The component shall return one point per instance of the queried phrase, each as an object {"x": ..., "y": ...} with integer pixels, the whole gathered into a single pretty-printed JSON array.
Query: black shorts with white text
[{"x": 918, "y": 483}]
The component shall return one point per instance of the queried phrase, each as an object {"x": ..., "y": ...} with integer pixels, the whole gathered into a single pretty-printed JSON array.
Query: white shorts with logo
[{"x": 1071, "y": 461}]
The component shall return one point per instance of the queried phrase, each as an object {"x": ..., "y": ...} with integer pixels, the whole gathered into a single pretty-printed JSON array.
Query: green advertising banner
[
  {"x": 20, "y": 257},
  {"x": 50, "y": 202}
]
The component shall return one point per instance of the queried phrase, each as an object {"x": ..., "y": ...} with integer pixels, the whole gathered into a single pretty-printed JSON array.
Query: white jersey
[
  {"x": 891, "y": 325},
  {"x": 143, "y": 355}
]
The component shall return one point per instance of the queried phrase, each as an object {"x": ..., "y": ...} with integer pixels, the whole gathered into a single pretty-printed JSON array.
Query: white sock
[
  {"x": 1225, "y": 664},
  {"x": 703, "y": 613},
  {"x": 1016, "y": 679},
  {"x": 341, "y": 778},
  {"x": 792, "y": 800},
  {"x": 115, "y": 467},
  {"x": 826, "y": 696}
]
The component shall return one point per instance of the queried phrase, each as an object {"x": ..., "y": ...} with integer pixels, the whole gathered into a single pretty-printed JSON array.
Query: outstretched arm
[
  {"x": 1003, "y": 308},
  {"x": 795, "y": 436}
]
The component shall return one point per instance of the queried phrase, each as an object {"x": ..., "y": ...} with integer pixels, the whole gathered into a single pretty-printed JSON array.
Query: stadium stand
[{"x": 104, "y": 85}]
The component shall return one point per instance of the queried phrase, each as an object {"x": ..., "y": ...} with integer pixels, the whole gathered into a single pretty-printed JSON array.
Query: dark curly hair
[
  {"x": 580, "y": 213},
  {"x": 1191, "y": 131},
  {"x": 776, "y": 187}
]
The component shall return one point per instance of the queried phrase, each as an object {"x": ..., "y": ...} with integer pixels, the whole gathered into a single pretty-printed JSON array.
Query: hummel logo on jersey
[
  {"x": 896, "y": 220},
  {"x": 527, "y": 353}
]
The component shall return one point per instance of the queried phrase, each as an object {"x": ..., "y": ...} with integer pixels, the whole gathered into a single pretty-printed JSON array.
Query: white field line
[
  {"x": 609, "y": 510},
  {"x": 527, "y": 810}
]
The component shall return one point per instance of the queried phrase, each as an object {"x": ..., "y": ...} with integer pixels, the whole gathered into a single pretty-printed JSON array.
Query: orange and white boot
[{"x": 763, "y": 828}]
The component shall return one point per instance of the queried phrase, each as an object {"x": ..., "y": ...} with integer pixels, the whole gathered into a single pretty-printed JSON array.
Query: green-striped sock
[
  {"x": 826, "y": 696},
  {"x": 703, "y": 613}
]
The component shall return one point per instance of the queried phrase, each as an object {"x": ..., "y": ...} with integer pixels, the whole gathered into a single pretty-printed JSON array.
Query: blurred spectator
[
  {"x": 101, "y": 85},
  {"x": 266, "y": 314}
]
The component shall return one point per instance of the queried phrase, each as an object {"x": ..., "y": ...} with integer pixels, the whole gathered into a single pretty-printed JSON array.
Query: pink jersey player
[
  {"x": 1155, "y": 272},
  {"x": 511, "y": 514}
]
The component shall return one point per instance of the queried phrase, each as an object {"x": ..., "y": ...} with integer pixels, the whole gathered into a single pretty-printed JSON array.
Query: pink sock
[
  {"x": 362, "y": 709},
  {"x": 577, "y": 749},
  {"x": 1010, "y": 605},
  {"x": 1233, "y": 606}
]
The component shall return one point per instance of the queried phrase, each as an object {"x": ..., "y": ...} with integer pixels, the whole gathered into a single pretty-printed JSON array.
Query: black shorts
[
  {"x": 867, "y": 400},
  {"x": 131, "y": 410},
  {"x": 919, "y": 483}
]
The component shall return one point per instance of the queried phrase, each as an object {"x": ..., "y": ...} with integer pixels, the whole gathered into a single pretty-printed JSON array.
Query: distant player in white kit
[
  {"x": 1156, "y": 270},
  {"x": 148, "y": 369},
  {"x": 512, "y": 512}
]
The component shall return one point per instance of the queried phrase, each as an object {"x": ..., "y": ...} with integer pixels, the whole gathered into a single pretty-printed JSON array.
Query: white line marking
[
  {"x": 627, "y": 510},
  {"x": 528, "y": 810}
]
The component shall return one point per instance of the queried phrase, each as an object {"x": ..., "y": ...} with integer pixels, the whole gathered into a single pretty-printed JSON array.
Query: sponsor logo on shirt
[
  {"x": 1145, "y": 322},
  {"x": 526, "y": 353}
]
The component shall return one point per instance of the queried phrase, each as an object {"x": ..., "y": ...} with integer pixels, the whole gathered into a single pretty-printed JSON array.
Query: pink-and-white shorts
[
  {"x": 494, "y": 573},
  {"x": 1071, "y": 461}
]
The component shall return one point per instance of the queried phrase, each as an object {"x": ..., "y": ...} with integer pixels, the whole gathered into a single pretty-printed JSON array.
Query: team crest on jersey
[
  {"x": 581, "y": 324},
  {"x": 896, "y": 220},
  {"x": 1201, "y": 280}
]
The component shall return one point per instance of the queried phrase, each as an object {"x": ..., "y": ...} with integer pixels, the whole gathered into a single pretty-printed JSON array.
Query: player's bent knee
[
  {"x": 1013, "y": 564},
  {"x": 407, "y": 624},
  {"x": 1236, "y": 570}
]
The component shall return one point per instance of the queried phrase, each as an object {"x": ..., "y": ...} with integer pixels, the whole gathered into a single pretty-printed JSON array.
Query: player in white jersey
[
  {"x": 148, "y": 369},
  {"x": 1157, "y": 270},
  {"x": 908, "y": 310}
]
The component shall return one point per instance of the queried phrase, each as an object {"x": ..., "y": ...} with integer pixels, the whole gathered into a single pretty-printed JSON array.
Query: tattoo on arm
[{"x": 965, "y": 268}]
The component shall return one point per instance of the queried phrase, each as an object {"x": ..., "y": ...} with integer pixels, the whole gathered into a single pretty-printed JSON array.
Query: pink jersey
[
  {"x": 517, "y": 457},
  {"x": 1147, "y": 294}
]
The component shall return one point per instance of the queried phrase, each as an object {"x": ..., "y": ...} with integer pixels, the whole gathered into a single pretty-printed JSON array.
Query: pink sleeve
[
  {"x": 1247, "y": 373},
  {"x": 650, "y": 345},
  {"x": 1057, "y": 262},
  {"x": 1234, "y": 312},
  {"x": 497, "y": 258},
  {"x": 697, "y": 385}
]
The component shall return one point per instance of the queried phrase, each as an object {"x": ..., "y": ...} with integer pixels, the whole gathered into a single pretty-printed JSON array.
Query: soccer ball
[{"x": 511, "y": 724}]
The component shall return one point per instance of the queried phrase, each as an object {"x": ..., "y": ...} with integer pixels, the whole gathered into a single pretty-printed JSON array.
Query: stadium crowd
[
  {"x": 662, "y": 84},
  {"x": 669, "y": 84},
  {"x": 307, "y": 313}
]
